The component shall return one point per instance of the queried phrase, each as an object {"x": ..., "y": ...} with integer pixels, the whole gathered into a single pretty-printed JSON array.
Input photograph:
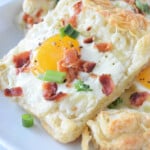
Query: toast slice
[{"x": 110, "y": 50}]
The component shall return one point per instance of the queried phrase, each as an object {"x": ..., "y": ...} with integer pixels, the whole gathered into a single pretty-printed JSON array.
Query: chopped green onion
[
  {"x": 115, "y": 103},
  {"x": 142, "y": 6},
  {"x": 53, "y": 76},
  {"x": 62, "y": 33},
  {"x": 80, "y": 86},
  {"x": 27, "y": 120},
  {"x": 70, "y": 31}
]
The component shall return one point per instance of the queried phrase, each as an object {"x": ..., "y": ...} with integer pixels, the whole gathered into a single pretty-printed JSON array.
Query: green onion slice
[
  {"x": 144, "y": 7},
  {"x": 114, "y": 104},
  {"x": 81, "y": 86},
  {"x": 53, "y": 76},
  {"x": 27, "y": 120},
  {"x": 70, "y": 31}
]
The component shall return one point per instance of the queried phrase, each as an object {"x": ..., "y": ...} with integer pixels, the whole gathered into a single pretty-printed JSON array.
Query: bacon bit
[
  {"x": 71, "y": 57},
  {"x": 61, "y": 67},
  {"x": 88, "y": 40},
  {"x": 39, "y": 13},
  {"x": 58, "y": 96},
  {"x": 138, "y": 98},
  {"x": 72, "y": 74},
  {"x": 104, "y": 47},
  {"x": 73, "y": 21},
  {"x": 49, "y": 90},
  {"x": 25, "y": 68},
  {"x": 72, "y": 64},
  {"x": 107, "y": 84},
  {"x": 28, "y": 19},
  {"x": 21, "y": 59},
  {"x": 63, "y": 22},
  {"x": 86, "y": 66},
  {"x": 25, "y": 17},
  {"x": 16, "y": 91},
  {"x": 89, "y": 28},
  {"x": 78, "y": 7}
]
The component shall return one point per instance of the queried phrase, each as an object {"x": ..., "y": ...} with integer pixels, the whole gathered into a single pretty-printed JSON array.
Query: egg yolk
[
  {"x": 52, "y": 51},
  {"x": 144, "y": 77}
]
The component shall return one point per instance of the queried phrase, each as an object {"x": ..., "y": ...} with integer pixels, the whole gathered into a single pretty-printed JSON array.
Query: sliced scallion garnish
[
  {"x": 144, "y": 7},
  {"x": 27, "y": 120},
  {"x": 53, "y": 76},
  {"x": 81, "y": 86},
  {"x": 115, "y": 103},
  {"x": 70, "y": 31}
]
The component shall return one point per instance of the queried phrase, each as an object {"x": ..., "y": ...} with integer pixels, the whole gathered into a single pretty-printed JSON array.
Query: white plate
[{"x": 13, "y": 136}]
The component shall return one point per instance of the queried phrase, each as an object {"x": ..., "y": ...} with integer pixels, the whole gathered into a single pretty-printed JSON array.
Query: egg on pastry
[
  {"x": 124, "y": 124},
  {"x": 74, "y": 63}
]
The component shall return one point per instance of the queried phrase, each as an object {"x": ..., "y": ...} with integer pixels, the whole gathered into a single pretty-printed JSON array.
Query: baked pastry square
[{"x": 74, "y": 63}]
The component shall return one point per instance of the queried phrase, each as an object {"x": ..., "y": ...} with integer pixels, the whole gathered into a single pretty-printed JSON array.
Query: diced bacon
[
  {"x": 25, "y": 68},
  {"x": 36, "y": 18},
  {"x": 71, "y": 58},
  {"x": 61, "y": 67},
  {"x": 72, "y": 64},
  {"x": 88, "y": 40},
  {"x": 86, "y": 66},
  {"x": 28, "y": 19},
  {"x": 138, "y": 98},
  {"x": 89, "y": 28},
  {"x": 104, "y": 47},
  {"x": 69, "y": 64},
  {"x": 21, "y": 59},
  {"x": 49, "y": 90},
  {"x": 25, "y": 17},
  {"x": 107, "y": 84},
  {"x": 39, "y": 13},
  {"x": 77, "y": 7},
  {"x": 58, "y": 96},
  {"x": 63, "y": 22},
  {"x": 72, "y": 73},
  {"x": 16, "y": 91},
  {"x": 73, "y": 21}
]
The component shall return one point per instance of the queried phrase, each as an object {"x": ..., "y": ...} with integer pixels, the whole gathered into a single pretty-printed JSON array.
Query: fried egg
[{"x": 99, "y": 61}]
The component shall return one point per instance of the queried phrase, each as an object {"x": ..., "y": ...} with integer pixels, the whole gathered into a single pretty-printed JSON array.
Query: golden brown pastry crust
[
  {"x": 120, "y": 18},
  {"x": 124, "y": 129}
]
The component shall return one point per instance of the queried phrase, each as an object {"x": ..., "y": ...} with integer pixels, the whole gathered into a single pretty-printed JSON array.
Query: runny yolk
[
  {"x": 52, "y": 51},
  {"x": 144, "y": 77}
]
